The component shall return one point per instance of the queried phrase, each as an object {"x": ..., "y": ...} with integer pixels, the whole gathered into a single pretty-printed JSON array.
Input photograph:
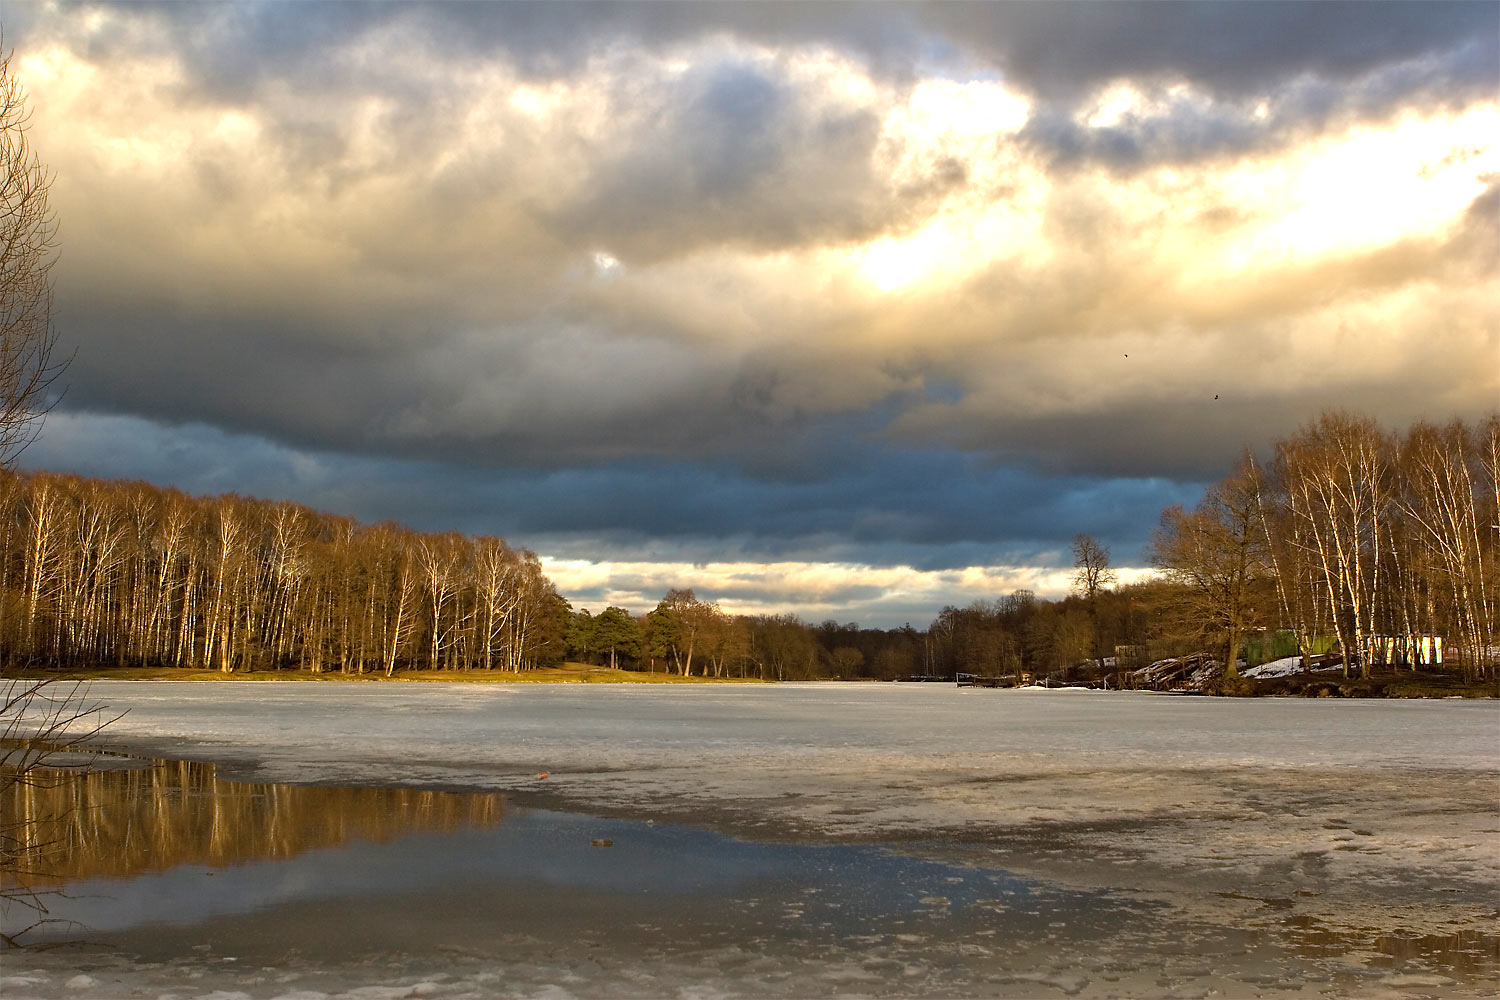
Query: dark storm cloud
[
  {"x": 737, "y": 155},
  {"x": 1183, "y": 131},
  {"x": 1185, "y": 128},
  {"x": 1065, "y": 50},
  {"x": 482, "y": 400},
  {"x": 928, "y": 510},
  {"x": 1048, "y": 47}
]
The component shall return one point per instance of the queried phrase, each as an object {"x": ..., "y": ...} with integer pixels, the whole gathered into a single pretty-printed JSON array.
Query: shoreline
[
  {"x": 1395, "y": 685},
  {"x": 570, "y": 674}
]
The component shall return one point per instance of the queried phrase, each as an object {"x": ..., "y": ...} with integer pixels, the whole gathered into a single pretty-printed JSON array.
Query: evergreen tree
[{"x": 617, "y": 633}]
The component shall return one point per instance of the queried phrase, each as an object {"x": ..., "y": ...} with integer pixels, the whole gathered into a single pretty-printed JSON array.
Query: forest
[
  {"x": 1347, "y": 542},
  {"x": 100, "y": 573}
]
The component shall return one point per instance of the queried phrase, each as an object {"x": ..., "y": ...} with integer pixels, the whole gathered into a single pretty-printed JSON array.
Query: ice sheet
[{"x": 1350, "y": 817}]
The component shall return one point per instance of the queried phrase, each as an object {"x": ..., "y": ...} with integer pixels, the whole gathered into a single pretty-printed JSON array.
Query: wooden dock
[{"x": 981, "y": 681}]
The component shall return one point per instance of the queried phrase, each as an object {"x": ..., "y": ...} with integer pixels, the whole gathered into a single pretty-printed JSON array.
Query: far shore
[
  {"x": 1404, "y": 684},
  {"x": 570, "y": 673}
]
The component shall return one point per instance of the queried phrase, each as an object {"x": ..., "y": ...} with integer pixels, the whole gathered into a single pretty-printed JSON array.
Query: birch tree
[
  {"x": 226, "y": 567},
  {"x": 496, "y": 569},
  {"x": 1440, "y": 496},
  {"x": 1339, "y": 476}
]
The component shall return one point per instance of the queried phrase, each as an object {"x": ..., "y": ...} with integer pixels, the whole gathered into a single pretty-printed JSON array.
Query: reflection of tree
[
  {"x": 41, "y": 723},
  {"x": 123, "y": 823}
]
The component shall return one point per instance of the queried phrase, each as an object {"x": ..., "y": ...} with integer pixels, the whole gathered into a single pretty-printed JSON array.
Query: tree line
[
  {"x": 1373, "y": 548},
  {"x": 94, "y": 573},
  {"x": 1013, "y": 635},
  {"x": 1370, "y": 540},
  {"x": 689, "y": 636}
]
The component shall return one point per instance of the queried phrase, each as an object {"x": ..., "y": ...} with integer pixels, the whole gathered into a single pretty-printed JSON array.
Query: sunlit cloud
[
  {"x": 812, "y": 590},
  {"x": 1366, "y": 187}
]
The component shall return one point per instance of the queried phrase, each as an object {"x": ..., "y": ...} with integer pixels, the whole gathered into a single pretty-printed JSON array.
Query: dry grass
[{"x": 568, "y": 673}]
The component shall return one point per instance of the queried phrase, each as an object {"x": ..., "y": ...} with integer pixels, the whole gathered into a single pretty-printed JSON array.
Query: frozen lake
[{"x": 799, "y": 839}]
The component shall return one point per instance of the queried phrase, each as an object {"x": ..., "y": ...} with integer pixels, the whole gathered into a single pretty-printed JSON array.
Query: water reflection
[
  {"x": 1465, "y": 953},
  {"x": 167, "y": 859},
  {"x": 119, "y": 822}
]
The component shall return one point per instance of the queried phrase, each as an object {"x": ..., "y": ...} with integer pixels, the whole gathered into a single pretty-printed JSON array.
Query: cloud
[
  {"x": 877, "y": 596},
  {"x": 913, "y": 285},
  {"x": 1072, "y": 49},
  {"x": 909, "y": 504},
  {"x": 351, "y": 274}
]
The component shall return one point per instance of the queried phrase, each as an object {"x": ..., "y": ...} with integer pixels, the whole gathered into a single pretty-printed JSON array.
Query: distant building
[{"x": 1409, "y": 650}]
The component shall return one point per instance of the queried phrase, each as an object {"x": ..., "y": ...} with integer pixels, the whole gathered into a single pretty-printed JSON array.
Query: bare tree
[
  {"x": 227, "y": 563},
  {"x": 1091, "y": 572},
  {"x": 847, "y": 660},
  {"x": 726, "y": 641},
  {"x": 1290, "y": 555},
  {"x": 403, "y": 591},
  {"x": 28, "y": 239},
  {"x": 1217, "y": 554},
  {"x": 1091, "y": 575},
  {"x": 784, "y": 648}
]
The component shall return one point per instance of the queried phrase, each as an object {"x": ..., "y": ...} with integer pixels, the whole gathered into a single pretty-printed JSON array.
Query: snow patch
[{"x": 1284, "y": 667}]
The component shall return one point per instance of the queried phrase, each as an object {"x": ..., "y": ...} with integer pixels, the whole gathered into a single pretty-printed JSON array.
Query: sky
[{"x": 850, "y": 310}]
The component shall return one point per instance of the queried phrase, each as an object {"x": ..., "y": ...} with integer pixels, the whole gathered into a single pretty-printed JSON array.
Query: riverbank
[
  {"x": 1381, "y": 684},
  {"x": 1404, "y": 684},
  {"x": 568, "y": 673}
]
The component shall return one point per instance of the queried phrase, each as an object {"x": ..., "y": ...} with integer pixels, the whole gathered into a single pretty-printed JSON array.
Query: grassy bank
[
  {"x": 1391, "y": 684},
  {"x": 568, "y": 673}
]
